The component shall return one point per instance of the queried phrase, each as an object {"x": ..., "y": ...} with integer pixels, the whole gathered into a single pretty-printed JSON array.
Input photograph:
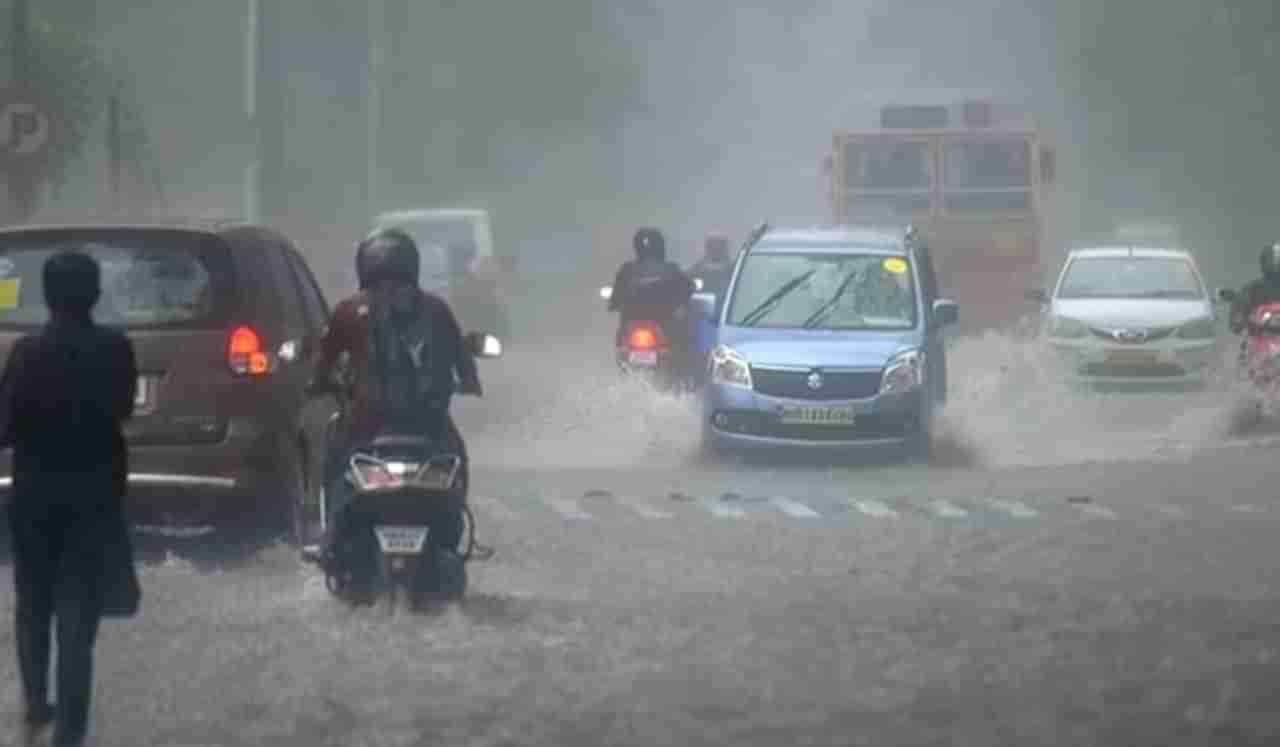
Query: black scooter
[{"x": 401, "y": 493}]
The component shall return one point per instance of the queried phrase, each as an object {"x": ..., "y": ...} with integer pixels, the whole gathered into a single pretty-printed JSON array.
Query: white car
[{"x": 1127, "y": 315}]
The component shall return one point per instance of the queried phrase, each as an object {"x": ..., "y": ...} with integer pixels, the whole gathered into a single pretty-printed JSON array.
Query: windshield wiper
[
  {"x": 767, "y": 305},
  {"x": 830, "y": 303}
]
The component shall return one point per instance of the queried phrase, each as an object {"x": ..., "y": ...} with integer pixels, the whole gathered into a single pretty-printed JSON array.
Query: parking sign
[{"x": 25, "y": 127}]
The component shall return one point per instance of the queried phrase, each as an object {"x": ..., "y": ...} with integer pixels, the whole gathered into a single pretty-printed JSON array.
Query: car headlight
[
  {"x": 904, "y": 373},
  {"x": 1198, "y": 329},
  {"x": 1066, "y": 329},
  {"x": 729, "y": 367}
]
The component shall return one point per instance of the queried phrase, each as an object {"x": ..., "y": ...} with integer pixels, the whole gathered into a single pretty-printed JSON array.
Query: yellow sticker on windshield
[
  {"x": 895, "y": 265},
  {"x": 9, "y": 295}
]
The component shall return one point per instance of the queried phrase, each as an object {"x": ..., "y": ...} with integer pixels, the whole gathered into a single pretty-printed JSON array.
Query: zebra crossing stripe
[
  {"x": 1171, "y": 511},
  {"x": 648, "y": 513},
  {"x": 721, "y": 511},
  {"x": 795, "y": 509},
  {"x": 948, "y": 510},
  {"x": 568, "y": 509},
  {"x": 1013, "y": 508},
  {"x": 1101, "y": 512},
  {"x": 493, "y": 507},
  {"x": 1246, "y": 508},
  {"x": 875, "y": 509}
]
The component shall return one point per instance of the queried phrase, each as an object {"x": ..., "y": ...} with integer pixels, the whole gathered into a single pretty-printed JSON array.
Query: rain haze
[{"x": 824, "y": 503}]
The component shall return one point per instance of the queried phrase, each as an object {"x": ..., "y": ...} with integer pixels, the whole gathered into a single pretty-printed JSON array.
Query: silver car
[{"x": 1128, "y": 315}]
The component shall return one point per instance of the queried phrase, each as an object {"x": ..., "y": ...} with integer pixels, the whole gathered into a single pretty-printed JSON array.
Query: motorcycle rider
[
  {"x": 387, "y": 266},
  {"x": 1263, "y": 290},
  {"x": 652, "y": 288},
  {"x": 716, "y": 267}
]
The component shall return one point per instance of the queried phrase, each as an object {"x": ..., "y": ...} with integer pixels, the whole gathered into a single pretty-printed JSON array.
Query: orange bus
[{"x": 975, "y": 190}]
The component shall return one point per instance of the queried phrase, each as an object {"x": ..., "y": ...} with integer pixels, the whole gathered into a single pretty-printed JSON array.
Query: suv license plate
[
  {"x": 401, "y": 540},
  {"x": 818, "y": 416}
]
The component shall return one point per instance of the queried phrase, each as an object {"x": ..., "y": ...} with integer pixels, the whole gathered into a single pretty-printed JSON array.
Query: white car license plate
[
  {"x": 401, "y": 540},
  {"x": 818, "y": 416},
  {"x": 643, "y": 358}
]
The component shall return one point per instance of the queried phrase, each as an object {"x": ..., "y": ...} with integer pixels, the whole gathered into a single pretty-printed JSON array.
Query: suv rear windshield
[{"x": 150, "y": 279}]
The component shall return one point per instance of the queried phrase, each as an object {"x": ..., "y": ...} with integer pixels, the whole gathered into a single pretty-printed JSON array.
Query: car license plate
[
  {"x": 1132, "y": 357},
  {"x": 817, "y": 416},
  {"x": 643, "y": 358},
  {"x": 401, "y": 540}
]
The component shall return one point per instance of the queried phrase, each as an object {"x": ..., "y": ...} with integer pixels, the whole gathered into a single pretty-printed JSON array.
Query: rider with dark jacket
[
  {"x": 651, "y": 288},
  {"x": 1263, "y": 290},
  {"x": 716, "y": 266},
  {"x": 387, "y": 265}
]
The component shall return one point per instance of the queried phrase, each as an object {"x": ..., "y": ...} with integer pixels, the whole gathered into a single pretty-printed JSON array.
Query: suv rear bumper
[{"x": 235, "y": 482}]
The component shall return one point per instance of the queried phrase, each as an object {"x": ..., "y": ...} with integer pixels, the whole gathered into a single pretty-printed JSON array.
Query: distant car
[
  {"x": 825, "y": 339},
  {"x": 434, "y": 230},
  {"x": 222, "y": 319},
  {"x": 1131, "y": 315}
]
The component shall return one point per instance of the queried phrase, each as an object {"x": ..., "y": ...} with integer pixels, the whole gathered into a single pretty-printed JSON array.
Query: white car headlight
[
  {"x": 730, "y": 367},
  {"x": 1066, "y": 329},
  {"x": 904, "y": 373},
  {"x": 1198, "y": 329}
]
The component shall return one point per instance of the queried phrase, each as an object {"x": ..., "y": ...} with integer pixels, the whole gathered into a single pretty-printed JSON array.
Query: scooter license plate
[
  {"x": 647, "y": 358},
  {"x": 401, "y": 540}
]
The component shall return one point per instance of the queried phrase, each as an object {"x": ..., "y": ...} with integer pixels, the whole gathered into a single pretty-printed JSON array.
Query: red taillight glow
[
  {"x": 245, "y": 354},
  {"x": 642, "y": 338}
]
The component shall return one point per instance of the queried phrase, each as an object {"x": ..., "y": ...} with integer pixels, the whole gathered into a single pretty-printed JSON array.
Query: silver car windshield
[
  {"x": 1131, "y": 277},
  {"x": 824, "y": 291}
]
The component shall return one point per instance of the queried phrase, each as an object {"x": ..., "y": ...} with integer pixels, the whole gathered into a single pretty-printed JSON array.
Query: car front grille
[
  {"x": 835, "y": 385},
  {"x": 1151, "y": 334}
]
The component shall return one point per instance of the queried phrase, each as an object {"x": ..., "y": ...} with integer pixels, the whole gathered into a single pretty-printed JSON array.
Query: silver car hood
[{"x": 1124, "y": 312}]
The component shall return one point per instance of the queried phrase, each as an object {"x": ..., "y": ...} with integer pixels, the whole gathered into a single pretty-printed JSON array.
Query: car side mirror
[
  {"x": 945, "y": 312},
  {"x": 484, "y": 345},
  {"x": 1037, "y": 295},
  {"x": 606, "y": 292},
  {"x": 1226, "y": 295},
  {"x": 704, "y": 305}
]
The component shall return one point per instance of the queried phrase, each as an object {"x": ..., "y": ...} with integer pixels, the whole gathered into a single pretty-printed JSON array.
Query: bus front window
[{"x": 987, "y": 176}]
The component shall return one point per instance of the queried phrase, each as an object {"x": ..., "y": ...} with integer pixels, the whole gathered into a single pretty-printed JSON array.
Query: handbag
[{"x": 121, "y": 592}]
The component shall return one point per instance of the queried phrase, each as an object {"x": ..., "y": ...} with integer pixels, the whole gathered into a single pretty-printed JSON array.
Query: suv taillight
[{"x": 245, "y": 354}]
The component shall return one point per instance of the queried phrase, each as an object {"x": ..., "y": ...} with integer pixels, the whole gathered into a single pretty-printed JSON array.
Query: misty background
[{"x": 575, "y": 121}]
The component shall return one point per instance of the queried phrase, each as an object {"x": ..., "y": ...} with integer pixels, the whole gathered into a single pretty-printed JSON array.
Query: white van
[{"x": 434, "y": 230}]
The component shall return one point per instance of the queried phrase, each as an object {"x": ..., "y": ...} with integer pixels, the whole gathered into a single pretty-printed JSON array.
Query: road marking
[
  {"x": 1247, "y": 508},
  {"x": 1101, "y": 512},
  {"x": 1173, "y": 512},
  {"x": 493, "y": 507},
  {"x": 1013, "y": 508},
  {"x": 875, "y": 509},
  {"x": 646, "y": 512},
  {"x": 568, "y": 509},
  {"x": 948, "y": 510},
  {"x": 795, "y": 509},
  {"x": 721, "y": 511}
]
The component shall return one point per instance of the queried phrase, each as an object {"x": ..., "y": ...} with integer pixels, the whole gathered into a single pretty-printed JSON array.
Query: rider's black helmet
[
  {"x": 387, "y": 256},
  {"x": 649, "y": 244}
]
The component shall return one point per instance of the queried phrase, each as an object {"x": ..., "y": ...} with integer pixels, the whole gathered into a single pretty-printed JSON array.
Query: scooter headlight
[
  {"x": 730, "y": 367},
  {"x": 904, "y": 373}
]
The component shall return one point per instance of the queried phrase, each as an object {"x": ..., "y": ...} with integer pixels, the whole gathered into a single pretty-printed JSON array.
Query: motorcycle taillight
[{"x": 373, "y": 476}]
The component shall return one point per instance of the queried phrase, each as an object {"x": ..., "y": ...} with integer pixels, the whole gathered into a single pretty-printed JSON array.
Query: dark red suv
[{"x": 223, "y": 320}]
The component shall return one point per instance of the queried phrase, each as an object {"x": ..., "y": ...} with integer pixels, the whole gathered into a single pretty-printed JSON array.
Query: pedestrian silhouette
[{"x": 64, "y": 394}]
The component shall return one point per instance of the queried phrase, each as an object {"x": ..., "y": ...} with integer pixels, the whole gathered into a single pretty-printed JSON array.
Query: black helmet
[
  {"x": 649, "y": 244},
  {"x": 387, "y": 256}
]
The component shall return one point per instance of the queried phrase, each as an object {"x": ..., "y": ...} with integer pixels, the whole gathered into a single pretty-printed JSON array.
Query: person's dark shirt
[
  {"x": 715, "y": 274},
  {"x": 64, "y": 395},
  {"x": 348, "y": 332},
  {"x": 1252, "y": 296},
  {"x": 649, "y": 289}
]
